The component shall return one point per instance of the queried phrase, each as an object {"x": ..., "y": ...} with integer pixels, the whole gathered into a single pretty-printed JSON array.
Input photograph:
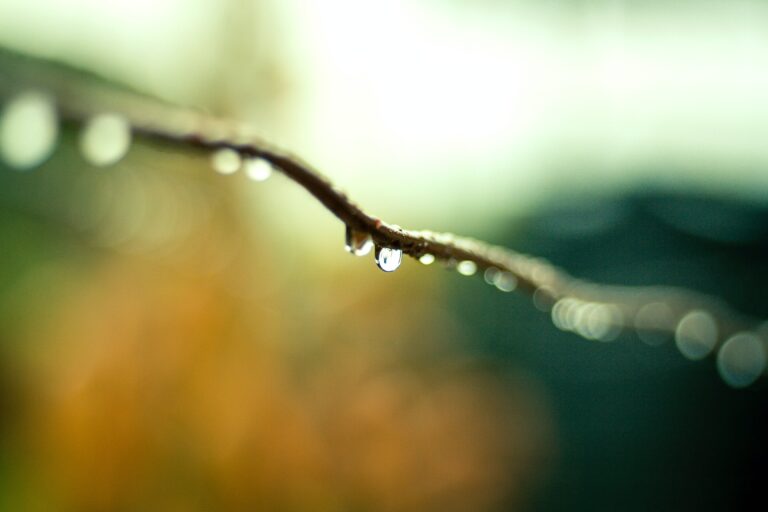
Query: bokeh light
[
  {"x": 257, "y": 169},
  {"x": 28, "y": 130},
  {"x": 226, "y": 161},
  {"x": 696, "y": 335},
  {"x": 105, "y": 139},
  {"x": 742, "y": 359}
]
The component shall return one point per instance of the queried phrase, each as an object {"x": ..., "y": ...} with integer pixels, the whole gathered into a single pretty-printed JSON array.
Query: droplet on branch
[
  {"x": 226, "y": 161},
  {"x": 105, "y": 139},
  {"x": 741, "y": 360},
  {"x": 696, "y": 335},
  {"x": 358, "y": 243},
  {"x": 427, "y": 259},
  {"x": 388, "y": 259},
  {"x": 257, "y": 169},
  {"x": 29, "y": 127},
  {"x": 467, "y": 268}
]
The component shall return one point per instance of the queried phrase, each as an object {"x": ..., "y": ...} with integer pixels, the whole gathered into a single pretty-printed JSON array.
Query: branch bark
[
  {"x": 591, "y": 310},
  {"x": 546, "y": 283}
]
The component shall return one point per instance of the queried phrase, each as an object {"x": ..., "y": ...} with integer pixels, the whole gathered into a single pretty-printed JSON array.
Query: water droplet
[
  {"x": 28, "y": 130},
  {"x": 226, "y": 161},
  {"x": 505, "y": 281},
  {"x": 696, "y": 334},
  {"x": 490, "y": 275},
  {"x": 427, "y": 259},
  {"x": 105, "y": 139},
  {"x": 654, "y": 323},
  {"x": 388, "y": 259},
  {"x": 603, "y": 322},
  {"x": 741, "y": 360},
  {"x": 570, "y": 314},
  {"x": 358, "y": 243},
  {"x": 257, "y": 169},
  {"x": 560, "y": 313},
  {"x": 467, "y": 268}
]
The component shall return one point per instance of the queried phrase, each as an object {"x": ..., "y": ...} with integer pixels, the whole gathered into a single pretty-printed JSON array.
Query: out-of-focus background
[{"x": 176, "y": 339}]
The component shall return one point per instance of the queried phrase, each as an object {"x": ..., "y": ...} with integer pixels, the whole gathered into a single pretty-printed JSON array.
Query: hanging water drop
[
  {"x": 105, "y": 139},
  {"x": 358, "y": 243},
  {"x": 28, "y": 130},
  {"x": 742, "y": 359},
  {"x": 226, "y": 161},
  {"x": 467, "y": 268},
  {"x": 257, "y": 169},
  {"x": 490, "y": 275},
  {"x": 505, "y": 281},
  {"x": 427, "y": 259},
  {"x": 696, "y": 335},
  {"x": 388, "y": 259},
  {"x": 603, "y": 322}
]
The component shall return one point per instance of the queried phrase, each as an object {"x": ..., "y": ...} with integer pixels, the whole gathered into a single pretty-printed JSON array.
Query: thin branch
[{"x": 591, "y": 310}]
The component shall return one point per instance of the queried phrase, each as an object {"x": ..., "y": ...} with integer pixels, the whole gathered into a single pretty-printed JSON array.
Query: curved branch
[
  {"x": 591, "y": 310},
  {"x": 508, "y": 269}
]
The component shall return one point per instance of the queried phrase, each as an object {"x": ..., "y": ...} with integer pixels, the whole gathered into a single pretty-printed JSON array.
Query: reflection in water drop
[
  {"x": 28, "y": 130},
  {"x": 654, "y": 323},
  {"x": 388, "y": 259},
  {"x": 741, "y": 360},
  {"x": 427, "y": 259},
  {"x": 226, "y": 161},
  {"x": 696, "y": 334},
  {"x": 358, "y": 243},
  {"x": 467, "y": 268},
  {"x": 105, "y": 139},
  {"x": 257, "y": 169}
]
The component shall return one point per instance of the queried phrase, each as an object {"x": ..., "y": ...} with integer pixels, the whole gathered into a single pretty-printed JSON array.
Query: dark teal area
[{"x": 638, "y": 427}]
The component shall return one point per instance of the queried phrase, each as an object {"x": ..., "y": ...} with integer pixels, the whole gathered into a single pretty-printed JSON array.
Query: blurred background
[{"x": 176, "y": 339}]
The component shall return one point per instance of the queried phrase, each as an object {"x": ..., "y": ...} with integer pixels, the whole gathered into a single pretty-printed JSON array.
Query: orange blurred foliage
[{"x": 154, "y": 383}]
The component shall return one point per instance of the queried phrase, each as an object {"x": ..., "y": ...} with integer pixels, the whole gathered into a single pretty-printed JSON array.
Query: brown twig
[
  {"x": 594, "y": 311},
  {"x": 501, "y": 266}
]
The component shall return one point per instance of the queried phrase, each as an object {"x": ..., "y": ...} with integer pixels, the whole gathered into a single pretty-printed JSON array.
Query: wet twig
[{"x": 699, "y": 322}]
